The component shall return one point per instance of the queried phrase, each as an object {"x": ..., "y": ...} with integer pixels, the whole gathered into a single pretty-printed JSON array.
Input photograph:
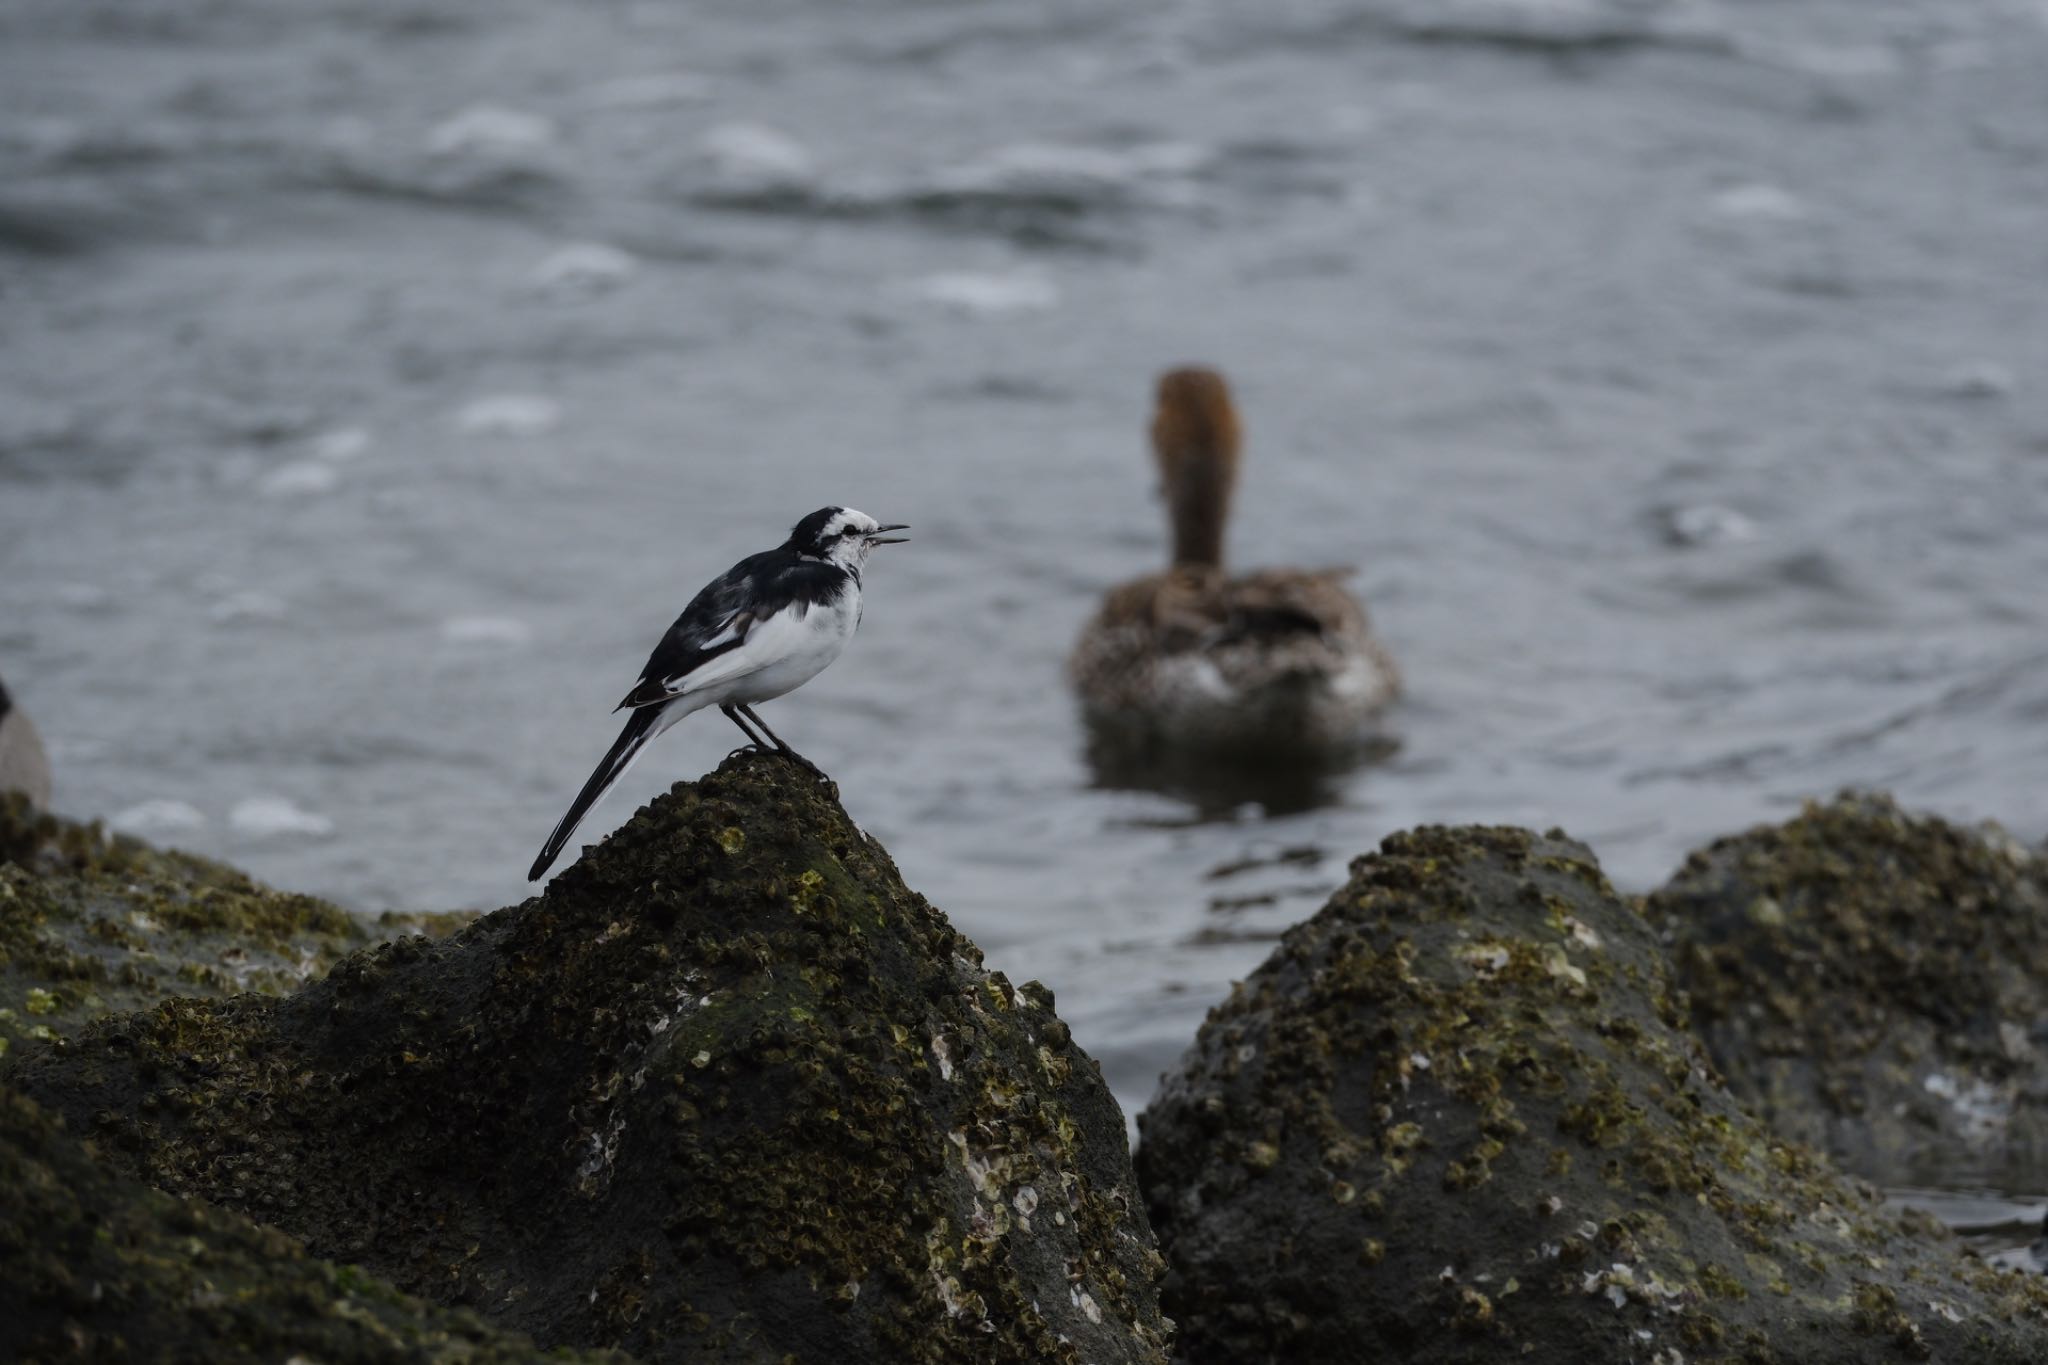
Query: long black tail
[{"x": 639, "y": 729}]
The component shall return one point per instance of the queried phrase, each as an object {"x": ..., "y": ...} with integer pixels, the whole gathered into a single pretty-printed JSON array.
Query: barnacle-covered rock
[
  {"x": 100, "y": 1268},
  {"x": 1875, "y": 983},
  {"x": 726, "y": 1092},
  {"x": 94, "y": 923},
  {"x": 1456, "y": 1117}
]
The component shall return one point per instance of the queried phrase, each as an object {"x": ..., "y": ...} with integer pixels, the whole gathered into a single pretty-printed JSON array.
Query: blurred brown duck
[{"x": 1277, "y": 658}]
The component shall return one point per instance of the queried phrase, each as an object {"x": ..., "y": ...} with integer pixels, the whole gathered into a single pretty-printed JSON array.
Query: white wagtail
[{"x": 764, "y": 627}]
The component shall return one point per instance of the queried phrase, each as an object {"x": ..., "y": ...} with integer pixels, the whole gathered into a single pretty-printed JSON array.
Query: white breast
[{"x": 787, "y": 651}]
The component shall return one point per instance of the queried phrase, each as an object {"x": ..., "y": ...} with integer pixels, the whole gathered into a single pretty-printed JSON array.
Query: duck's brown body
[{"x": 1192, "y": 656}]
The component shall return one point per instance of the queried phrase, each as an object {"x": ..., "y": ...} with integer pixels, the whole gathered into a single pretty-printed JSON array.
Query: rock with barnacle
[
  {"x": 1874, "y": 982},
  {"x": 728, "y": 1091},
  {"x": 99, "y": 1267},
  {"x": 93, "y": 923},
  {"x": 1456, "y": 1117}
]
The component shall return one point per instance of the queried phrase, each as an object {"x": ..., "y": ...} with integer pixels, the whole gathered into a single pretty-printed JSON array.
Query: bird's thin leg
[
  {"x": 732, "y": 713},
  {"x": 780, "y": 747}
]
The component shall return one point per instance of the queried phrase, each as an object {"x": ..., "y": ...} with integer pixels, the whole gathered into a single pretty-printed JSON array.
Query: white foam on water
[
  {"x": 299, "y": 479},
  {"x": 1710, "y": 523},
  {"x": 1759, "y": 203},
  {"x": 275, "y": 816},
  {"x": 161, "y": 815},
  {"x": 246, "y": 605},
  {"x": 988, "y": 294},
  {"x": 488, "y": 129},
  {"x": 338, "y": 445},
  {"x": 757, "y": 154},
  {"x": 583, "y": 270},
  {"x": 509, "y": 414}
]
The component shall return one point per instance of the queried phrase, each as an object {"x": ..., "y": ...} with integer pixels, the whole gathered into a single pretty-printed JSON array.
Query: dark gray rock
[
  {"x": 101, "y": 1269},
  {"x": 1875, "y": 983},
  {"x": 1456, "y": 1117},
  {"x": 728, "y": 1091}
]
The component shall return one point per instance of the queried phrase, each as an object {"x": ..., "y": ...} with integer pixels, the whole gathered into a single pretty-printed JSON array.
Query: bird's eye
[{"x": 850, "y": 531}]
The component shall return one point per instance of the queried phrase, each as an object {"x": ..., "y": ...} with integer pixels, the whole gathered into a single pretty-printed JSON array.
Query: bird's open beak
[{"x": 875, "y": 537}]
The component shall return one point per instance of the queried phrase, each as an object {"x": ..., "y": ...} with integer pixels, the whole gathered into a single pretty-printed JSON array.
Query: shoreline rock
[
  {"x": 1874, "y": 983},
  {"x": 94, "y": 923},
  {"x": 1457, "y": 1117},
  {"x": 100, "y": 1268},
  {"x": 726, "y": 1091}
]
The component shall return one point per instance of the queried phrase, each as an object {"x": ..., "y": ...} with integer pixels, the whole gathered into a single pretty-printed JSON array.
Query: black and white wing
[{"x": 708, "y": 642}]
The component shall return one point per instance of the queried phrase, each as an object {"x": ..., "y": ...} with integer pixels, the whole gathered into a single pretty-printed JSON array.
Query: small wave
[
  {"x": 583, "y": 270},
  {"x": 1002, "y": 388},
  {"x": 1540, "y": 27},
  {"x": 1695, "y": 524},
  {"x": 1759, "y": 203},
  {"x": 988, "y": 294},
  {"x": 338, "y": 445},
  {"x": 1567, "y": 26},
  {"x": 1073, "y": 174},
  {"x": 247, "y": 606},
  {"x": 1037, "y": 193},
  {"x": 67, "y": 145},
  {"x": 492, "y": 132},
  {"x": 509, "y": 414},
  {"x": 159, "y": 816},
  {"x": 299, "y": 479},
  {"x": 484, "y": 156},
  {"x": 753, "y": 157},
  {"x": 275, "y": 816}
]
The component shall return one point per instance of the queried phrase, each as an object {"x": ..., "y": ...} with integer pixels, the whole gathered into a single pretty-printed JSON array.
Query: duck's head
[
  {"x": 1195, "y": 438},
  {"x": 841, "y": 535}
]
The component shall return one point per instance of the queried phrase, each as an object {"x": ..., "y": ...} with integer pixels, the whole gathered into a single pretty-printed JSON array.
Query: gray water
[{"x": 378, "y": 379}]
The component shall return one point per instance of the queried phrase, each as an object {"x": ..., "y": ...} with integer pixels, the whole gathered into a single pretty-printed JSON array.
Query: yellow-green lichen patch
[
  {"x": 1476, "y": 1037},
  {"x": 703, "y": 1099},
  {"x": 92, "y": 923},
  {"x": 1871, "y": 980}
]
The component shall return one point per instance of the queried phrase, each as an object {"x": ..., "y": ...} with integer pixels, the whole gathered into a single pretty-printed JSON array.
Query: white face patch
[{"x": 846, "y": 540}]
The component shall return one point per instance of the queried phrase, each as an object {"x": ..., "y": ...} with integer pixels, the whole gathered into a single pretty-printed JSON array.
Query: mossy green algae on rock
[
  {"x": 94, "y": 923},
  {"x": 727, "y": 1091},
  {"x": 1455, "y": 1117},
  {"x": 99, "y": 1268},
  {"x": 1876, "y": 983}
]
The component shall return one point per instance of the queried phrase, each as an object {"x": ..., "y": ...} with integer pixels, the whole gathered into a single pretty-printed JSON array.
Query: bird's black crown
[{"x": 815, "y": 533}]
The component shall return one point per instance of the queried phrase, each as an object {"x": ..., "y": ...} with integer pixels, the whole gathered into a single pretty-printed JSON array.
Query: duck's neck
[
  {"x": 1198, "y": 489},
  {"x": 1195, "y": 438}
]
